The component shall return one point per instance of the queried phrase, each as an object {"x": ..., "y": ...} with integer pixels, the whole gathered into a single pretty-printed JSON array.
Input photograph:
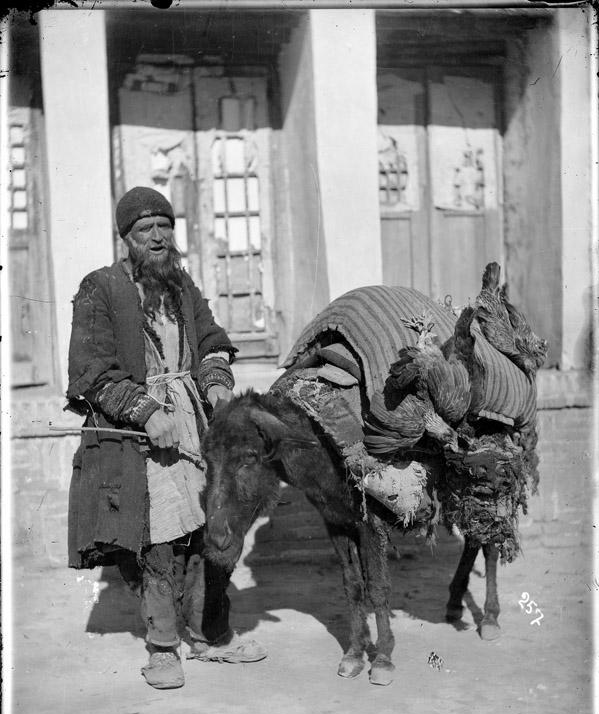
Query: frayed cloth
[
  {"x": 323, "y": 404},
  {"x": 399, "y": 486},
  {"x": 483, "y": 490},
  {"x": 175, "y": 483}
]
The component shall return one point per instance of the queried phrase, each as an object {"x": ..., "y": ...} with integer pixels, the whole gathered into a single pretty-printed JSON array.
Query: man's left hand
[{"x": 218, "y": 393}]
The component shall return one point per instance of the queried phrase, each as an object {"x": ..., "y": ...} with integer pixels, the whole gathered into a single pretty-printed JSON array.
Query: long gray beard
[{"x": 159, "y": 279}]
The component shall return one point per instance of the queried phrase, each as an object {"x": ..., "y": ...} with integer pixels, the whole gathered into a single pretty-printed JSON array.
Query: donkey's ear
[
  {"x": 272, "y": 430},
  {"x": 268, "y": 424}
]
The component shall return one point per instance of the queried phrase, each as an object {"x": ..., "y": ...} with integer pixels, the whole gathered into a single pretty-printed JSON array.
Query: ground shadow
[
  {"x": 309, "y": 582},
  {"x": 116, "y": 608}
]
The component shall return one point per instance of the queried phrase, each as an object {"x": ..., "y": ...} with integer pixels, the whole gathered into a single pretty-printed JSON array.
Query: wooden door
[
  {"x": 443, "y": 125},
  {"x": 31, "y": 314},
  {"x": 153, "y": 144},
  {"x": 233, "y": 147},
  {"x": 202, "y": 138},
  {"x": 403, "y": 178}
]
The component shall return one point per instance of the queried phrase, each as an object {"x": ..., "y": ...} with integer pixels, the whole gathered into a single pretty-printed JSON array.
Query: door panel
[
  {"x": 403, "y": 187},
  {"x": 31, "y": 317},
  {"x": 458, "y": 251},
  {"x": 153, "y": 145},
  {"x": 439, "y": 174},
  {"x": 203, "y": 140},
  {"x": 396, "y": 236},
  {"x": 465, "y": 179},
  {"x": 233, "y": 149}
]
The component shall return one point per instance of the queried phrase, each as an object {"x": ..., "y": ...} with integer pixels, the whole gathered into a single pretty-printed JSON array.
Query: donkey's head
[{"x": 243, "y": 453}]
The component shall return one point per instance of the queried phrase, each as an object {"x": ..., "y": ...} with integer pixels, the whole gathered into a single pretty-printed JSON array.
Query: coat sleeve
[
  {"x": 92, "y": 350},
  {"x": 95, "y": 375}
]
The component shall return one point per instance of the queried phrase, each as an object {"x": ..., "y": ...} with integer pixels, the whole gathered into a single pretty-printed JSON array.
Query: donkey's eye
[{"x": 250, "y": 457}]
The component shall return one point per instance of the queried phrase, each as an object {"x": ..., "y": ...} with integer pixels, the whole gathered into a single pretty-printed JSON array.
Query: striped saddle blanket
[{"x": 369, "y": 320}]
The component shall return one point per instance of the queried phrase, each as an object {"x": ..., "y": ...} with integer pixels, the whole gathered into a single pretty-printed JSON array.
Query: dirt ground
[{"x": 78, "y": 643}]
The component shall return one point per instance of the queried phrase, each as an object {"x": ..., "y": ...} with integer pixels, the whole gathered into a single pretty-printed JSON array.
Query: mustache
[{"x": 143, "y": 262}]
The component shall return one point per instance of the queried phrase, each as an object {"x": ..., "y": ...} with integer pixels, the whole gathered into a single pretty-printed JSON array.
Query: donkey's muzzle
[{"x": 219, "y": 533}]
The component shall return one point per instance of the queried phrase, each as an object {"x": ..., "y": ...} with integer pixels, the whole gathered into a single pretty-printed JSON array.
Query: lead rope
[{"x": 195, "y": 457}]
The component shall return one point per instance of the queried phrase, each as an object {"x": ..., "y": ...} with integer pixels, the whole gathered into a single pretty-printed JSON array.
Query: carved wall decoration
[
  {"x": 463, "y": 174},
  {"x": 463, "y": 141},
  {"x": 469, "y": 181},
  {"x": 393, "y": 171},
  {"x": 398, "y": 139},
  {"x": 160, "y": 74}
]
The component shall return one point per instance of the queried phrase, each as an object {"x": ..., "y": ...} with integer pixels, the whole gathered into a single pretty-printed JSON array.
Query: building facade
[{"x": 306, "y": 153}]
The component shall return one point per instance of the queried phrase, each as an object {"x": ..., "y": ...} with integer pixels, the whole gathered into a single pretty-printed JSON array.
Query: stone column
[
  {"x": 75, "y": 90},
  {"x": 343, "y": 46},
  {"x": 577, "y": 124}
]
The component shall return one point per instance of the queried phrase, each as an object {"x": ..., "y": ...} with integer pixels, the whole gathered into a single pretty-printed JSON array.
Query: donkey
[{"x": 258, "y": 440}]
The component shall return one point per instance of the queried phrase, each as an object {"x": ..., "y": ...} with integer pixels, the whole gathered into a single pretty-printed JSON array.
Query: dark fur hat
[{"x": 139, "y": 202}]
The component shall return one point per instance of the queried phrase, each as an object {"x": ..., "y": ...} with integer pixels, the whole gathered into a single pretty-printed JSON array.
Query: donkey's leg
[
  {"x": 375, "y": 536},
  {"x": 352, "y": 662},
  {"x": 489, "y": 628},
  {"x": 459, "y": 585}
]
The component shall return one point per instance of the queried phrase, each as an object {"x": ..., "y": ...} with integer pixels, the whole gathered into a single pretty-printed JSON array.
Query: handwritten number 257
[{"x": 525, "y": 602}]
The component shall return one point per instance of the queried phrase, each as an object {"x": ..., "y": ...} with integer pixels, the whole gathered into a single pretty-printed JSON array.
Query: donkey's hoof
[
  {"x": 453, "y": 613},
  {"x": 458, "y": 624},
  {"x": 350, "y": 666},
  {"x": 489, "y": 631},
  {"x": 461, "y": 625},
  {"x": 382, "y": 671}
]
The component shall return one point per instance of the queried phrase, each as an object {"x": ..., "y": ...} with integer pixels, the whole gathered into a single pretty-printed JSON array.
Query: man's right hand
[{"x": 162, "y": 430}]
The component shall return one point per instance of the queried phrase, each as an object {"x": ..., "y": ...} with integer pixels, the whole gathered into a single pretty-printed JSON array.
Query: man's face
[{"x": 150, "y": 239}]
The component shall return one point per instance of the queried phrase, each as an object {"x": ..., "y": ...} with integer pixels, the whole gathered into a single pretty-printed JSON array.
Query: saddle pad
[
  {"x": 336, "y": 410},
  {"x": 370, "y": 319}
]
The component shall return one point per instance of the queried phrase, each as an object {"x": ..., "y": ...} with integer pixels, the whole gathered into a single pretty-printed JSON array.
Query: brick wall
[
  {"x": 41, "y": 470},
  {"x": 567, "y": 487}
]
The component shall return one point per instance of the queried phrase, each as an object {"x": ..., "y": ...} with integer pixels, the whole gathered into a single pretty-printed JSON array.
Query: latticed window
[
  {"x": 393, "y": 172},
  {"x": 17, "y": 188},
  {"x": 237, "y": 228},
  {"x": 30, "y": 294}
]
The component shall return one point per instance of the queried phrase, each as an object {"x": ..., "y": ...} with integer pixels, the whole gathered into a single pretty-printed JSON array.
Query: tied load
[{"x": 404, "y": 387}]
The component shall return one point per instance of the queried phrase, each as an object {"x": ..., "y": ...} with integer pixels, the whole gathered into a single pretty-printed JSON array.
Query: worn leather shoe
[
  {"x": 237, "y": 651},
  {"x": 164, "y": 670}
]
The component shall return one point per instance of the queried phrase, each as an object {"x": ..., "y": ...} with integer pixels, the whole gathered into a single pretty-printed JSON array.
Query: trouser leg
[
  {"x": 193, "y": 598},
  {"x": 161, "y": 593},
  {"x": 163, "y": 584},
  {"x": 156, "y": 579},
  {"x": 130, "y": 570}
]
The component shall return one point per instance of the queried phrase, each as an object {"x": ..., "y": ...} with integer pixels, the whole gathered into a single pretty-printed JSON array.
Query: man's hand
[
  {"x": 162, "y": 430},
  {"x": 218, "y": 392}
]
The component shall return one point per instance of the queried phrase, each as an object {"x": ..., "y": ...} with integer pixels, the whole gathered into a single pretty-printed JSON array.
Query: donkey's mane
[{"x": 251, "y": 399}]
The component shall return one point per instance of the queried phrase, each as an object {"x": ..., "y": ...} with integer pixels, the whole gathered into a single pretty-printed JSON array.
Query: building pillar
[
  {"x": 577, "y": 124},
  {"x": 343, "y": 46},
  {"x": 75, "y": 90},
  {"x": 301, "y": 271}
]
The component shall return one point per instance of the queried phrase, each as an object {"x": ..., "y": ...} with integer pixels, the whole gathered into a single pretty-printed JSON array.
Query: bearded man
[{"x": 147, "y": 355}]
